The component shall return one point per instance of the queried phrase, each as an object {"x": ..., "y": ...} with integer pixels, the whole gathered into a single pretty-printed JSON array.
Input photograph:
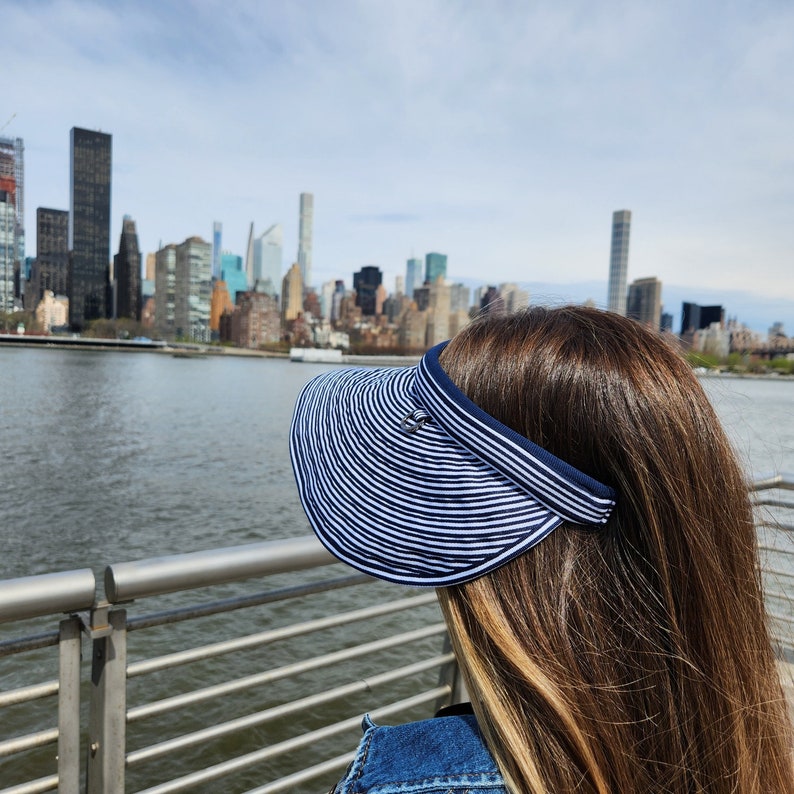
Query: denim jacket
[{"x": 444, "y": 755}]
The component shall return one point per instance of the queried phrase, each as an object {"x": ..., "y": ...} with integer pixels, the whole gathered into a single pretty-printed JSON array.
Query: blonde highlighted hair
[{"x": 635, "y": 658}]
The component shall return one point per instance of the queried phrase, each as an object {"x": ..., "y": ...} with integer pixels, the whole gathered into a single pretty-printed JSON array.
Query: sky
[{"x": 503, "y": 133}]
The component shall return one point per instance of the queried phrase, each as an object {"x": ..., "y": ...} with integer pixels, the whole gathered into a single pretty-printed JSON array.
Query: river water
[{"x": 108, "y": 457}]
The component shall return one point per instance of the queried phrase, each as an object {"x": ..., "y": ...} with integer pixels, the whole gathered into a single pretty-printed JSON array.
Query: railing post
[
  {"x": 107, "y": 720},
  {"x": 69, "y": 647},
  {"x": 450, "y": 676}
]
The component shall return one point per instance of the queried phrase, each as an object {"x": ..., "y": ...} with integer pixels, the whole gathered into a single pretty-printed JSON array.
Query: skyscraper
[
  {"x": 51, "y": 267},
  {"x": 233, "y": 274},
  {"x": 268, "y": 255},
  {"x": 459, "y": 298},
  {"x": 645, "y": 302},
  {"x": 193, "y": 289},
  {"x": 292, "y": 294},
  {"x": 249, "y": 258},
  {"x": 7, "y": 251},
  {"x": 413, "y": 275},
  {"x": 217, "y": 235},
  {"x": 12, "y": 217},
  {"x": 165, "y": 290},
  {"x": 435, "y": 266},
  {"x": 619, "y": 261},
  {"x": 439, "y": 312},
  {"x": 89, "y": 226},
  {"x": 696, "y": 318},
  {"x": 127, "y": 272},
  {"x": 366, "y": 283},
  {"x": 305, "y": 237}
]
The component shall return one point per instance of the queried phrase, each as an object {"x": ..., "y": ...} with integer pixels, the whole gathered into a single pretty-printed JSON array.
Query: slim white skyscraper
[
  {"x": 217, "y": 234},
  {"x": 414, "y": 269},
  {"x": 268, "y": 256},
  {"x": 619, "y": 261},
  {"x": 249, "y": 258},
  {"x": 305, "y": 237}
]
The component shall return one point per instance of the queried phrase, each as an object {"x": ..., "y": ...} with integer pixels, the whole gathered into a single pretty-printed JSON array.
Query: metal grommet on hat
[
  {"x": 404, "y": 478},
  {"x": 414, "y": 421}
]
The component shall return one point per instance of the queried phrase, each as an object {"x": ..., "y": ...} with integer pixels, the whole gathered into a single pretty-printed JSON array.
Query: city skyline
[{"x": 540, "y": 130}]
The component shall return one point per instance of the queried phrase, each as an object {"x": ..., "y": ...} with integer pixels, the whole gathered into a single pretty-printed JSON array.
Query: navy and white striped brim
[{"x": 404, "y": 478}]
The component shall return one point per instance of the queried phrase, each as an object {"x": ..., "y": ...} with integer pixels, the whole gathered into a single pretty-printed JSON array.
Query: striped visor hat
[{"x": 404, "y": 478}]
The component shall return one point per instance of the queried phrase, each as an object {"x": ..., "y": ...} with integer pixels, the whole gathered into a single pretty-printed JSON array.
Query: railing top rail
[
  {"x": 126, "y": 581},
  {"x": 46, "y": 594},
  {"x": 782, "y": 480}
]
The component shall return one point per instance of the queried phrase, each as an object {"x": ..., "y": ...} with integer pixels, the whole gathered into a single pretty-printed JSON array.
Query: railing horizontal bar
[
  {"x": 775, "y": 550},
  {"x": 775, "y": 595},
  {"x": 269, "y": 676},
  {"x": 32, "y": 642},
  {"x": 28, "y": 693},
  {"x": 46, "y": 594},
  {"x": 126, "y": 581},
  {"x": 285, "y": 709},
  {"x": 272, "y": 635},
  {"x": 289, "y": 782},
  {"x": 191, "y": 612},
  {"x": 777, "y": 575},
  {"x": 782, "y": 480},
  {"x": 290, "y": 745},
  {"x": 788, "y": 620},
  {"x": 34, "y": 786},
  {"x": 781, "y": 525},
  {"x": 767, "y": 502},
  {"x": 28, "y": 742}
]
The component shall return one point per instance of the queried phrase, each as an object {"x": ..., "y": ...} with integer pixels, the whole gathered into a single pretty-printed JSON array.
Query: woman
[{"x": 561, "y": 478}]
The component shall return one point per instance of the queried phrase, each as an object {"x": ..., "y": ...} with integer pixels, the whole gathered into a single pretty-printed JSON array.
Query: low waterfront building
[
  {"x": 52, "y": 311},
  {"x": 714, "y": 340},
  {"x": 258, "y": 320}
]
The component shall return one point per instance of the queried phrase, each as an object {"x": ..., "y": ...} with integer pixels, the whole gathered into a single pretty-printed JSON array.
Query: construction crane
[{"x": 13, "y": 116}]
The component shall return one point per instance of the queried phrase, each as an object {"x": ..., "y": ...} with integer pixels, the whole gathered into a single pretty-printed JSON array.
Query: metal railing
[
  {"x": 251, "y": 689},
  {"x": 775, "y": 524},
  {"x": 272, "y": 704}
]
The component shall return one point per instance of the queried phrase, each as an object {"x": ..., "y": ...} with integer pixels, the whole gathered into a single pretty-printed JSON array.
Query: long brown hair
[{"x": 635, "y": 658}]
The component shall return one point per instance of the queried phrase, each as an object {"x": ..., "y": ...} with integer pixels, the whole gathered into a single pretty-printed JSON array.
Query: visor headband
[{"x": 563, "y": 489}]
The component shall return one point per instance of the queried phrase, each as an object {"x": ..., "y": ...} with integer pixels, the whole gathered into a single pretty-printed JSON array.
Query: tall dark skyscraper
[
  {"x": 127, "y": 272},
  {"x": 89, "y": 227},
  {"x": 696, "y": 318},
  {"x": 366, "y": 283},
  {"x": 51, "y": 267}
]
